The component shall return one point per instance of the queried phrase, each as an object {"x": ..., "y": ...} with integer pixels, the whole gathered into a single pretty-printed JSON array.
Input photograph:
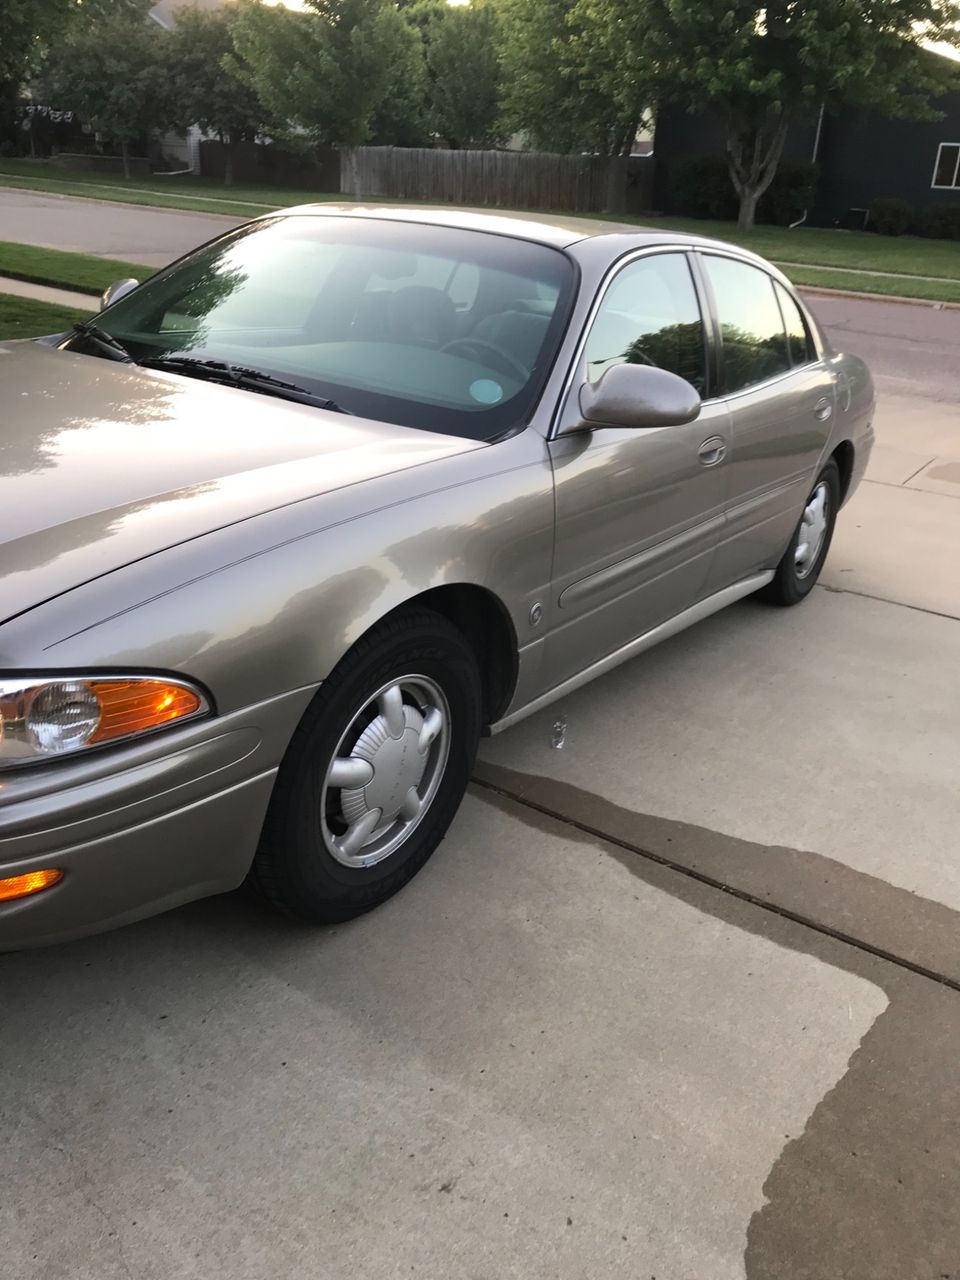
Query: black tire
[
  {"x": 294, "y": 869},
  {"x": 790, "y": 585}
]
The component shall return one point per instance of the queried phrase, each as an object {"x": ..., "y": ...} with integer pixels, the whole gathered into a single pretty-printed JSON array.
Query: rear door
[{"x": 780, "y": 395}]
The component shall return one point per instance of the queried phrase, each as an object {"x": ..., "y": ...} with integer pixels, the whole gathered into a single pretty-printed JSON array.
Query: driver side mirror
[
  {"x": 114, "y": 292},
  {"x": 638, "y": 395}
]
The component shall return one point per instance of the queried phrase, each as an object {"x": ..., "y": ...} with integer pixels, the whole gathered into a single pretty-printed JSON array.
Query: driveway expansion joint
[{"x": 772, "y": 908}]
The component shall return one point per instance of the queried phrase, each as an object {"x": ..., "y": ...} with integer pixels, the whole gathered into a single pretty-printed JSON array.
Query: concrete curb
[{"x": 877, "y": 297}]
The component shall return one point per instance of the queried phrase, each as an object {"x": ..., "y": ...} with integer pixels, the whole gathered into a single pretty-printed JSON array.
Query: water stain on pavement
[{"x": 871, "y": 1189}]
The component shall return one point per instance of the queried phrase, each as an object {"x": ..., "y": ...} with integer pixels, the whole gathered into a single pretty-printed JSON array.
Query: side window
[
  {"x": 798, "y": 339},
  {"x": 754, "y": 341},
  {"x": 650, "y": 315}
]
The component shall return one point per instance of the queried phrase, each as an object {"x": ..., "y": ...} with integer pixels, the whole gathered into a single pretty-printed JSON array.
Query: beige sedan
[{"x": 302, "y": 516}]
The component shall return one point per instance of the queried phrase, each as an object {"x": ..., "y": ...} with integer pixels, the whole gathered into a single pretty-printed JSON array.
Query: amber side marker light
[{"x": 32, "y": 882}]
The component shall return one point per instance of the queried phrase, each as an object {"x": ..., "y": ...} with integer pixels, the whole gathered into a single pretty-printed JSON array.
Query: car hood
[{"x": 103, "y": 463}]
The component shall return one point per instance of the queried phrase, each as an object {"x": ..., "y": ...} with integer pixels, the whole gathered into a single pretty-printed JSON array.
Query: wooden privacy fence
[{"x": 509, "y": 179}]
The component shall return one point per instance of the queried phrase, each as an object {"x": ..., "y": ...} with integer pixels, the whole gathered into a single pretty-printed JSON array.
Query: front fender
[{"x": 272, "y": 603}]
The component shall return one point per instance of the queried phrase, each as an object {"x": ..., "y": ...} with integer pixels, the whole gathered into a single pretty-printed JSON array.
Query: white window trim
[{"x": 950, "y": 186}]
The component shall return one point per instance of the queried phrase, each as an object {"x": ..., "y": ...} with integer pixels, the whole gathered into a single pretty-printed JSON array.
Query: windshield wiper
[
  {"x": 105, "y": 343},
  {"x": 237, "y": 375}
]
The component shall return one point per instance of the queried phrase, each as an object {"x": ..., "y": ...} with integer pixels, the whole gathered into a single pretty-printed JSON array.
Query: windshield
[{"x": 425, "y": 326}]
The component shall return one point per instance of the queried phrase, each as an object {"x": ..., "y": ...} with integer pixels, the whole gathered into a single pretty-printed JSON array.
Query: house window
[{"x": 946, "y": 172}]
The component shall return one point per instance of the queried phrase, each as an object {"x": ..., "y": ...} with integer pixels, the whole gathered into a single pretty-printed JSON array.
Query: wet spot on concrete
[{"x": 870, "y": 1190}]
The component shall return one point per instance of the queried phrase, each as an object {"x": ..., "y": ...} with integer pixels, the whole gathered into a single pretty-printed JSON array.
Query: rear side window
[
  {"x": 751, "y": 326},
  {"x": 798, "y": 339},
  {"x": 650, "y": 315}
]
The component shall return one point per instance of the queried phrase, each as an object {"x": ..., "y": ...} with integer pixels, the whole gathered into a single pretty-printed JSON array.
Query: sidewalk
[{"x": 43, "y": 293}]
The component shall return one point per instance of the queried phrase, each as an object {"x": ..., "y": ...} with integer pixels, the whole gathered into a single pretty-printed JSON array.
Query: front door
[
  {"x": 781, "y": 399},
  {"x": 638, "y": 511}
]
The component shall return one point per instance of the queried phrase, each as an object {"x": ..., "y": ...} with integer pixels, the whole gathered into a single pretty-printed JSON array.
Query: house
[{"x": 860, "y": 157}]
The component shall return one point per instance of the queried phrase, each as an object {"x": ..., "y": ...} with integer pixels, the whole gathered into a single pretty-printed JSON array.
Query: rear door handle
[
  {"x": 823, "y": 409},
  {"x": 712, "y": 451}
]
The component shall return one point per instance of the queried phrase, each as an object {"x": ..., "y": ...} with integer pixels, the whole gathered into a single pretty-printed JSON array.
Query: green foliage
[
  {"x": 29, "y": 27},
  {"x": 891, "y": 217},
  {"x": 326, "y": 70},
  {"x": 941, "y": 222},
  {"x": 463, "y": 71},
  {"x": 112, "y": 73},
  {"x": 570, "y": 84},
  {"x": 209, "y": 84},
  {"x": 402, "y": 118},
  {"x": 701, "y": 188},
  {"x": 761, "y": 67}
]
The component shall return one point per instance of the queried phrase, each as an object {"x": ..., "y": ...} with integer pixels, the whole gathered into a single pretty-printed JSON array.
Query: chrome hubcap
[
  {"x": 385, "y": 771},
  {"x": 813, "y": 530}
]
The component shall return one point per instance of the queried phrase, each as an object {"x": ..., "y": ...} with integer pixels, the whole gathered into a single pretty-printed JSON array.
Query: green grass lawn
[
  {"x": 890, "y": 286},
  {"x": 25, "y": 318},
  {"x": 798, "y": 252},
  {"x": 80, "y": 271},
  {"x": 205, "y": 195},
  {"x": 822, "y": 246}
]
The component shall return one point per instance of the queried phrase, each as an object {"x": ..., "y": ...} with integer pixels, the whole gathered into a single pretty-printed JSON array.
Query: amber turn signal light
[
  {"x": 131, "y": 706},
  {"x": 32, "y": 882}
]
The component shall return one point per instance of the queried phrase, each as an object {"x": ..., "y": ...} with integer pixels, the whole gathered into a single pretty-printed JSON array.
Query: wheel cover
[
  {"x": 813, "y": 530},
  {"x": 385, "y": 771}
]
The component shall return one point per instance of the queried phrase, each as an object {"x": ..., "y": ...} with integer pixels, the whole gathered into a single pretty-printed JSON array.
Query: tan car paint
[{"x": 247, "y": 543}]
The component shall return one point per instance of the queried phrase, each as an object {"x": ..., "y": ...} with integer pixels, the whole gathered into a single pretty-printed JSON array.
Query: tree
[
  {"x": 463, "y": 72},
  {"x": 112, "y": 73},
  {"x": 403, "y": 118},
  {"x": 761, "y": 68},
  {"x": 28, "y": 27},
  {"x": 325, "y": 71},
  {"x": 208, "y": 85},
  {"x": 566, "y": 82}
]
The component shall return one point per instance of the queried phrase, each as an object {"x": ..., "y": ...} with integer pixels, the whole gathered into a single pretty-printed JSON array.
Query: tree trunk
[
  {"x": 228, "y": 162},
  {"x": 748, "y": 209},
  {"x": 353, "y": 162},
  {"x": 125, "y": 156},
  {"x": 753, "y": 153}
]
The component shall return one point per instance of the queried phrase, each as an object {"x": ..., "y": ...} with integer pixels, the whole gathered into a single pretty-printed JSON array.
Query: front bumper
[{"x": 140, "y": 829}]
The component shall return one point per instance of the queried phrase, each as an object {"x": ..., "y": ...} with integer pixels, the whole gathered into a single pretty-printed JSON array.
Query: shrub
[
  {"x": 942, "y": 222},
  {"x": 701, "y": 188},
  {"x": 891, "y": 217}
]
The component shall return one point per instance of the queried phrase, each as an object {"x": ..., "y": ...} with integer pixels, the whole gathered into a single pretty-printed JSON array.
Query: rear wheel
[
  {"x": 375, "y": 772},
  {"x": 803, "y": 559}
]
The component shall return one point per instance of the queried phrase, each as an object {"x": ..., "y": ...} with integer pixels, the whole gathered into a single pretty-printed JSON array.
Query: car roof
[{"x": 558, "y": 230}]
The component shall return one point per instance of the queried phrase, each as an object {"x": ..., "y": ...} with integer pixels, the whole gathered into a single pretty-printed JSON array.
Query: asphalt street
[{"x": 678, "y": 1001}]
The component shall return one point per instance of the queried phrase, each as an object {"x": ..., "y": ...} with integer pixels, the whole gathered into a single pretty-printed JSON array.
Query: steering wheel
[{"x": 504, "y": 361}]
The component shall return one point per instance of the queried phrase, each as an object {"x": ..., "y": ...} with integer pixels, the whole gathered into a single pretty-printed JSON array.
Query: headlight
[{"x": 45, "y": 717}]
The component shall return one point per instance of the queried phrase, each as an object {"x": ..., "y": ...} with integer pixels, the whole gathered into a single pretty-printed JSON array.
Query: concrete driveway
[{"x": 679, "y": 1001}]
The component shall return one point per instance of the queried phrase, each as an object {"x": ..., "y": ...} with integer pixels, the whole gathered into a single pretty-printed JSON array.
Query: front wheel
[
  {"x": 375, "y": 772},
  {"x": 803, "y": 559}
]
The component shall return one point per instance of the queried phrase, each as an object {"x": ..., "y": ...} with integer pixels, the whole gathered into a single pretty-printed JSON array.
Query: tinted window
[
  {"x": 798, "y": 340},
  {"x": 650, "y": 315},
  {"x": 754, "y": 341},
  {"x": 425, "y": 326}
]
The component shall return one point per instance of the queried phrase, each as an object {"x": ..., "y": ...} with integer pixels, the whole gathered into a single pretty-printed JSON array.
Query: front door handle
[
  {"x": 823, "y": 409},
  {"x": 712, "y": 451}
]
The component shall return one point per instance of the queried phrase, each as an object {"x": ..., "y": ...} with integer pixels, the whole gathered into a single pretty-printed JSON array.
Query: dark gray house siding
[
  {"x": 864, "y": 157},
  {"x": 861, "y": 157}
]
